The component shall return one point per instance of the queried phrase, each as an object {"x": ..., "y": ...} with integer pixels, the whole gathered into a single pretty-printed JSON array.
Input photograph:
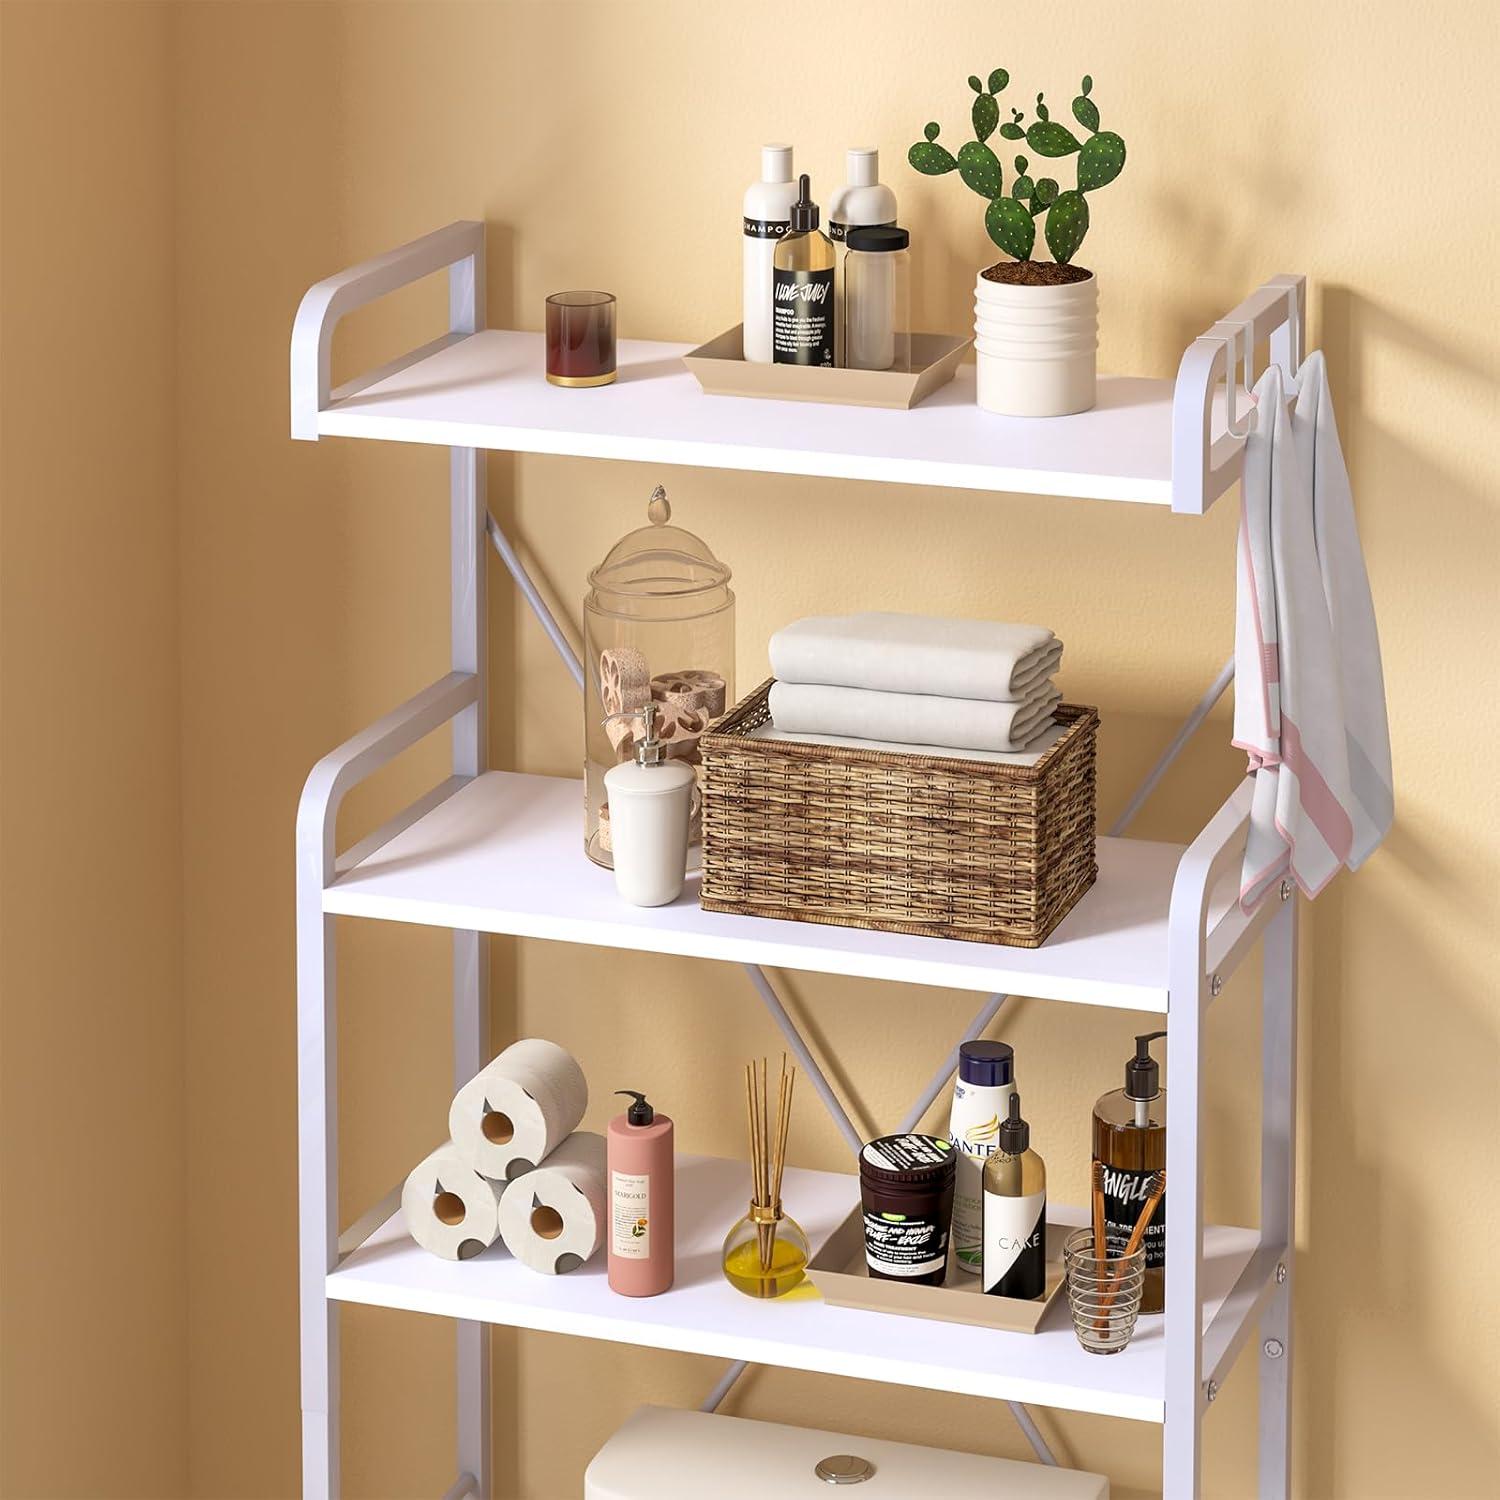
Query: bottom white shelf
[{"x": 703, "y": 1314}]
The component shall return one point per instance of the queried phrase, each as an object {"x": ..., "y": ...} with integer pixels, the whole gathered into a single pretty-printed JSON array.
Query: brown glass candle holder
[{"x": 581, "y": 338}]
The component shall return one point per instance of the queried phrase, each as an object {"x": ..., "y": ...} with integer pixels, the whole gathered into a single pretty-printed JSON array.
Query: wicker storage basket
[{"x": 902, "y": 842}]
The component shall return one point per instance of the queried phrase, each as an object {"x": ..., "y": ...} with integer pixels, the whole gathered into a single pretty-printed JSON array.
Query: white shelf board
[
  {"x": 504, "y": 854},
  {"x": 488, "y": 390},
  {"x": 702, "y": 1314}
]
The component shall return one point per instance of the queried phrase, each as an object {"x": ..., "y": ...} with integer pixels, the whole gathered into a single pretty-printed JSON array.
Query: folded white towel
[
  {"x": 912, "y": 718},
  {"x": 1309, "y": 694},
  {"x": 1044, "y": 741},
  {"x": 916, "y": 654}
]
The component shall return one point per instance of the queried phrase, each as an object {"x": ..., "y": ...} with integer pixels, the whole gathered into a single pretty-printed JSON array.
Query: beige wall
[
  {"x": 93, "y": 1188},
  {"x": 609, "y": 143}
]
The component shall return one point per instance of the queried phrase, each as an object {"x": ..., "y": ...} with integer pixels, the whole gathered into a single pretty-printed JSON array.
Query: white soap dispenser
[{"x": 650, "y": 799}]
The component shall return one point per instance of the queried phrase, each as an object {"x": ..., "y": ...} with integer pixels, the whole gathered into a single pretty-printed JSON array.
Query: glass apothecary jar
[{"x": 658, "y": 623}]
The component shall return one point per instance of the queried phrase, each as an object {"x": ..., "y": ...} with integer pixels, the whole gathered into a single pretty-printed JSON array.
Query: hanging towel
[
  {"x": 916, "y": 654},
  {"x": 1351, "y": 614},
  {"x": 912, "y": 718},
  {"x": 1309, "y": 696}
]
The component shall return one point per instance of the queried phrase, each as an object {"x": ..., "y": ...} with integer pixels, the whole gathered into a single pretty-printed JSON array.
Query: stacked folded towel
[{"x": 916, "y": 680}]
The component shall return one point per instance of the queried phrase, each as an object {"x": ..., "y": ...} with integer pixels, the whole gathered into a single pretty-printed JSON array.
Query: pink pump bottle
[{"x": 642, "y": 1257}]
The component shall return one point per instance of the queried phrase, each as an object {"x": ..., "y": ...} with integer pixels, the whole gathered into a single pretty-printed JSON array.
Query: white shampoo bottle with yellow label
[{"x": 981, "y": 1100}]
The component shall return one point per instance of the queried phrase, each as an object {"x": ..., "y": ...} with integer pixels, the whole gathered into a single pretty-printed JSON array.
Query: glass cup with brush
[
  {"x": 1106, "y": 1272},
  {"x": 766, "y": 1253}
]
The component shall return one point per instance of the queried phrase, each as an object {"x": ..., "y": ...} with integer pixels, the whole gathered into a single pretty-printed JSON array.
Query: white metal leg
[
  {"x": 1278, "y": 1192},
  {"x": 1182, "y": 1436},
  {"x": 471, "y": 988},
  {"x": 317, "y": 1175}
]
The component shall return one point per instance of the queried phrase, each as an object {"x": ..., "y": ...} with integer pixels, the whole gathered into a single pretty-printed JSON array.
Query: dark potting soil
[{"x": 1036, "y": 273}]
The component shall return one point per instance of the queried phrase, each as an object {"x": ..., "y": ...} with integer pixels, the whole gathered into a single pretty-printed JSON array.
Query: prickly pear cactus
[
  {"x": 1010, "y": 225},
  {"x": 984, "y": 113},
  {"x": 929, "y": 158},
  {"x": 1010, "y": 220},
  {"x": 1048, "y": 138},
  {"x": 980, "y": 168},
  {"x": 1067, "y": 223},
  {"x": 1100, "y": 161},
  {"x": 1085, "y": 111}
]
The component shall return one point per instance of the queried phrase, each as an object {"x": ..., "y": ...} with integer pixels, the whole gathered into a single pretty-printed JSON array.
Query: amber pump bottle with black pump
[{"x": 1130, "y": 1143}]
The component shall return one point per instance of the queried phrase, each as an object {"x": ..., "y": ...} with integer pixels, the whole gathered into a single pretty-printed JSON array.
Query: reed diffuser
[{"x": 766, "y": 1253}]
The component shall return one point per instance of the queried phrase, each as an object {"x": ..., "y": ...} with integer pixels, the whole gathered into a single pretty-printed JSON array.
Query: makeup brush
[
  {"x": 1153, "y": 1197},
  {"x": 1101, "y": 1248}
]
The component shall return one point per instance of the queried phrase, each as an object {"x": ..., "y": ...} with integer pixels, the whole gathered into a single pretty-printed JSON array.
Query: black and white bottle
[
  {"x": 768, "y": 216},
  {"x": 1015, "y": 1213},
  {"x": 802, "y": 326}
]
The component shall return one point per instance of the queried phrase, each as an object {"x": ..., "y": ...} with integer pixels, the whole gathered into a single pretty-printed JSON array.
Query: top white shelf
[
  {"x": 488, "y": 390},
  {"x": 1156, "y": 442}
]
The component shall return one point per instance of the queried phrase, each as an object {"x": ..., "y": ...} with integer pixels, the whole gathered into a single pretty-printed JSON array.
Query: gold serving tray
[
  {"x": 838, "y": 1271},
  {"x": 721, "y": 368}
]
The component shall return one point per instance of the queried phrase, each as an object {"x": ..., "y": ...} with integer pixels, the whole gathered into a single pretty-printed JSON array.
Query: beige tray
[
  {"x": 838, "y": 1271},
  {"x": 721, "y": 368}
]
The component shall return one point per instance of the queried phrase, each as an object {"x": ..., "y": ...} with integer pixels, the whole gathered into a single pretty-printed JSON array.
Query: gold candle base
[{"x": 581, "y": 380}]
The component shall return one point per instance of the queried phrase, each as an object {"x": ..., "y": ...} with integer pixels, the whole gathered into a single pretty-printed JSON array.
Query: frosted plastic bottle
[
  {"x": 768, "y": 216},
  {"x": 981, "y": 1100},
  {"x": 863, "y": 199}
]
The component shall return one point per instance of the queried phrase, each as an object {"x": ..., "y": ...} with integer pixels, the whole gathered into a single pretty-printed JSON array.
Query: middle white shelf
[
  {"x": 504, "y": 854},
  {"x": 703, "y": 1314}
]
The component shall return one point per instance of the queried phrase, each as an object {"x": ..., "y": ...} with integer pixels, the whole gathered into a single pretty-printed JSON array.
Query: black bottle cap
[
  {"x": 875, "y": 238},
  {"x": 985, "y": 1064},
  {"x": 1142, "y": 1073},
  {"x": 1015, "y": 1133},
  {"x": 639, "y": 1113},
  {"x": 804, "y": 210}
]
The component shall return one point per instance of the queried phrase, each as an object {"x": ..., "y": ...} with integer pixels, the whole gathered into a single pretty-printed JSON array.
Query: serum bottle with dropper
[
  {"x": 1130, "y": 1145},
  {"x": 1015, "y": 1213},
  {"x": 802, "y": 317}
]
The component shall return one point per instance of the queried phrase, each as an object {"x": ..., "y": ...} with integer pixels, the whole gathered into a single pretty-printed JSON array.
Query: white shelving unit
[{"x": 492, "y": 851}]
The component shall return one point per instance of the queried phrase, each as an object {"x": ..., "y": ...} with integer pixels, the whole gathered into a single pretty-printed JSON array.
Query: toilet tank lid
[{"x": 664, "y": 1454}]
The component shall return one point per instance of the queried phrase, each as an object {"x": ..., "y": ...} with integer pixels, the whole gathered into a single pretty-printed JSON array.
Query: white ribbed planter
[{"x": 1036, "y": 347}]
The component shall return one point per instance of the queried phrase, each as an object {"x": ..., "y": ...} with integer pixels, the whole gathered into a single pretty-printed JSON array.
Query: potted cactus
[{"x": 1036, "y": 321}]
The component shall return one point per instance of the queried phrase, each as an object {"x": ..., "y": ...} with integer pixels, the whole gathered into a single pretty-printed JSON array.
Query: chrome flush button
[{"x": 844, "y": 1468}]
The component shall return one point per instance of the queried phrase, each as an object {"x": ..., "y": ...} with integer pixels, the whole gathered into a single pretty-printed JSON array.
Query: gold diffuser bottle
[{"x": 766, "y": 1253}]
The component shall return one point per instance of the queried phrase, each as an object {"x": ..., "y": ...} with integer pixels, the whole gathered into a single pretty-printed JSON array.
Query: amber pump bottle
[{"x": 1130, "y": 1141}]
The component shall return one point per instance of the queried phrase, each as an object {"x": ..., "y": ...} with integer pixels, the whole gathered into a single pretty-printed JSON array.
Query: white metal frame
[{"x": 1206, "y": 451}]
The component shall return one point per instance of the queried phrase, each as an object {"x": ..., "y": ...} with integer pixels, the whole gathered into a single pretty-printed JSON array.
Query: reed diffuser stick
[{"x": 767, "y": 1150}]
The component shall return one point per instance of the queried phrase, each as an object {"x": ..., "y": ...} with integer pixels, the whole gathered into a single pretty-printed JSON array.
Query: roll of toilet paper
[
  {"x": 450, "y": 1209},
  {"x": 552, "y": 1219},
  {"x": 518, "y": 1108}
]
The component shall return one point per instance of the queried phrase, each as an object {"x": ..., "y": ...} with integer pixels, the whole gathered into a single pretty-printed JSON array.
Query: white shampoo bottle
[
  {"x": 768, "y": 216},
  {"x": 862, "y": 200},
  {"x": 981, "y": 1102}
]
